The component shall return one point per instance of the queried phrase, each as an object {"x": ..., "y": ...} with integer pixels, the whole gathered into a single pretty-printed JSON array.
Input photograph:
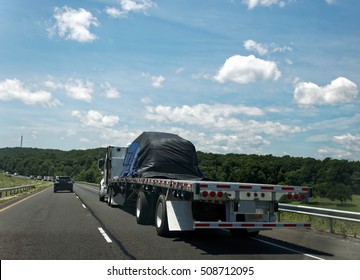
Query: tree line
[
  {"x": 81, "y": 165},
  {"x": 330, "y": 178}
]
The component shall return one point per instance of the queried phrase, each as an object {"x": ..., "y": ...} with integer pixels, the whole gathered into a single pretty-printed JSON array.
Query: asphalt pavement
[{"x": 77, "y": 226}]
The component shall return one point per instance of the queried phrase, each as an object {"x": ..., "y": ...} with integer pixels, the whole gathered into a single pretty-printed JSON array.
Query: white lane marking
[
  {"x": 107, "y": 238},
  {"x": 292, "y": 250},
  {"x": 83, "y": 205}
]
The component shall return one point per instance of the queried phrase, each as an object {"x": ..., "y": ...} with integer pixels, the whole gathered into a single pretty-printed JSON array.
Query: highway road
[{"x": 77, "y": 226}]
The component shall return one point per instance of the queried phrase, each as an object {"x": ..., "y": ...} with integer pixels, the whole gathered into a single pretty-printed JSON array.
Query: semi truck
[
  {"x": 159, "y": 175},
  {"x": 110, "y": 168}
]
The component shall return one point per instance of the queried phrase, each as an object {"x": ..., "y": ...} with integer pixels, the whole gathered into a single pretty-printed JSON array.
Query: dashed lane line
[{"x": 107, "y": 238}]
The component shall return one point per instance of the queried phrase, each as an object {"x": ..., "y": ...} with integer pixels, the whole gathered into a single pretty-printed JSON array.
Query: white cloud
[
  {"x": 350, "y": 142},
  {"x": 130, "y": 6},
  {"x": 114, "y": 12},
  {"x": 13, "y": 89},
  {"x": 330, "y": 2},
  {"x": 348, "y": 147},
  {"x": 221, "y": 117},
  {"x": 263, "y": 49},
  {"x": 136, "y": 5},
  {"x": 157, "y": 81},
  {"x": 200, "y": 113},
  {"x": 265, "y": 3},
  {"x": 73, "y": 24},
  {"x": 333, "y": 153},
  {"x": 220, "y": 142},
  {"x": 340, "y": 90},
  {"x": 95, "y": 119},
  {"x": 52, "y": 84},
  {"x": 110, "y": 91},
  {"x": 247, "y": 69},
  {"x": 79, "y": 90},
  {"x": 251, "y": 45}
]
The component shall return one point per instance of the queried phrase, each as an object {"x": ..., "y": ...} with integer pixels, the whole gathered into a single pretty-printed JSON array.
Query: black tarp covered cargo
[{"x": 161, "y": 155}]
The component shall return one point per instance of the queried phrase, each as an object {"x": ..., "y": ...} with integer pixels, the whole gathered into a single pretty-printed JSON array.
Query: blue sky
[{"x": 274, "y": 77}]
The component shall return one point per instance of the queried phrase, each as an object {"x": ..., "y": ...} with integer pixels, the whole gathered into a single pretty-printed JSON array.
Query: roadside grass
[
  {"x": 11, "y": 181},
  {"x": 352, "y": 206},
  {"x": 344, "y": 228}
]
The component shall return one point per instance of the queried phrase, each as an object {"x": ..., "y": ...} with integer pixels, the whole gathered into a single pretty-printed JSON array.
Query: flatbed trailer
[
  {"x": 185, "y": 205},
  {"x": 159, "y": 173}
]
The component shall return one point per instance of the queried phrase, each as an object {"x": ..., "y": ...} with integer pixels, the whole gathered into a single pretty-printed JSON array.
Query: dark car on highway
[{"x": 63, "y": 183}]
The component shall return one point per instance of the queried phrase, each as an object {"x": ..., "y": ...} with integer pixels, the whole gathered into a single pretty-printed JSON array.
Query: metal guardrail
[
  {"x": 321, "y": 212},
  {"x": 15, "y": 190}
]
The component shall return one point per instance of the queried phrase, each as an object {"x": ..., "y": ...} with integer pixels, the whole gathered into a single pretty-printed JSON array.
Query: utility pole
[{"x": 21, "y": 141}]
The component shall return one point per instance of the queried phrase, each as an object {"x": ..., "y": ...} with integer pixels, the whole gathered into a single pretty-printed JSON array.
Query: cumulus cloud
[
  {"x": 110, "y": 91},
  {"x": 203, "y": 113},
  {"x": 114, "y": 12},
  {"x": 222, "y": 142},
  {"x": 73, "y": 24},
  {"x": 80, "y": 90},
  {"x": 349, "y": 141},
  {"x": 340, "y": 90},
  {"x": 247, "y": 69},
  {"x": 265, "y": 3},
  {"x": 130, "y": 6},
  {"x": 13, "y": 89},
  {"x": 95, "y": 119},
  {"x": 220, "y": 116},
  {"x": 157, "y": 81},
  {"x": 251, "y": 45},
  {"x": 346, "y": 146}
]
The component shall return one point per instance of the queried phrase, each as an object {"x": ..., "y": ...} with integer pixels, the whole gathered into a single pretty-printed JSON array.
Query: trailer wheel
[
  {"x": 143, "y": 209},
  {"x": 110, "y": 202},
  {"x": 161, "y": 222}
]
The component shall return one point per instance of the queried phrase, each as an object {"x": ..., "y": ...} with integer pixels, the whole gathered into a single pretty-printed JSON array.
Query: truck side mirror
[{"x": 101, "y": 164}]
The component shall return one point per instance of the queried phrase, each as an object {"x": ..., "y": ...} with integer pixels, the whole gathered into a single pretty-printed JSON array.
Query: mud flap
[
  {"x": 119, "y": 199},
  {"x": 179, "y": 215}
]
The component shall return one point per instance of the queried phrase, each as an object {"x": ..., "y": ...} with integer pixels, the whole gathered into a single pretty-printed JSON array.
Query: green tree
[{"x": 340, "y": 192}]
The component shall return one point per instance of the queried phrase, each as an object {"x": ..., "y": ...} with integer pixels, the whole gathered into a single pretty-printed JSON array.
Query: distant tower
[{"x": 21, "y": 141}]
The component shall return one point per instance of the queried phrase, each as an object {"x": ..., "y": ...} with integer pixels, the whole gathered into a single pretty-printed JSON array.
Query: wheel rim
[
  {"x": 159, "y": 213},
  {"x": 138, "y": 208}
]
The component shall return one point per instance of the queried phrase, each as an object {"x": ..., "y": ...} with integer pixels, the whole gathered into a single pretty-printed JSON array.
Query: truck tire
[
  {"x": 101, "y": 197},
  {"x": 110, "y": 202},
  {"x": 161, "y": 222},
  {"x": 143, "y": 209}
]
